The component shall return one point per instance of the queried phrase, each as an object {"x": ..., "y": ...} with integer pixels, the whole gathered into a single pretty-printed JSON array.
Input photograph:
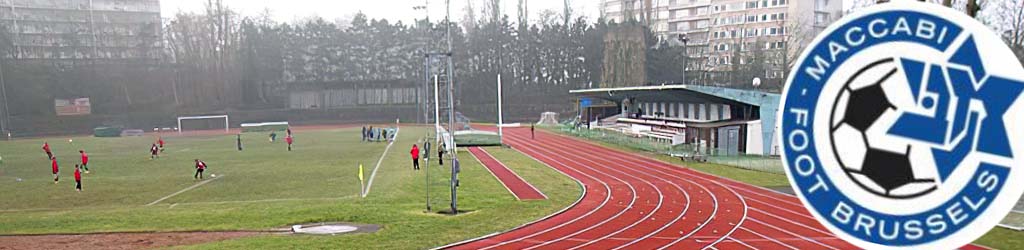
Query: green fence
[{"x": 660, "y": 146}]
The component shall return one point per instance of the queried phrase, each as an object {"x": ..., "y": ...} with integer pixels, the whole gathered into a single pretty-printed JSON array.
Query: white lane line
[
  {"x": 514, "y": 173},
  {"x": 791, "y": 222},
  {"x": 714, "y": 199},
  {"x": 495, "y": 176},
  {"x": 628, "y": 158},
  {"x": 510, "y": 170},
  {"x": 184, "y": 190},
  {"x": 740, "y": 242},
  {"x": 369, "y": 184},
  {"x": 769, "y": 239},
  {"x": 656, "y": 188},
  {"x": 608, "y": 193},
  {"x": 265, "y": 200},
  {"x": 578, "y": 200},
  {"x": 742, "y": 219},
  {"x": 740, "y": 186},
  {"x": 627, "y": 208},
  {"x": 791, "y": 233}
]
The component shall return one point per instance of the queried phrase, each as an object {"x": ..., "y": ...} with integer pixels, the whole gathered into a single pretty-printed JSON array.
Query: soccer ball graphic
[{"x": 877, "y": 168}]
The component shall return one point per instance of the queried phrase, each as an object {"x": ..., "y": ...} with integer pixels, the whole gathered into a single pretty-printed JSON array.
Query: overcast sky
[{"x": 289, "y": 10}]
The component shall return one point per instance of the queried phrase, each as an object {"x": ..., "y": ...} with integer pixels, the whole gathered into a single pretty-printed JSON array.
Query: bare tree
[
  {"x": 794, "y": 40},
  {"x": 1008, "y": 18}
]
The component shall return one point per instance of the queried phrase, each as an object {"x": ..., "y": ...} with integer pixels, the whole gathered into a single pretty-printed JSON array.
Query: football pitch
[{"x": 261, "y": 189}]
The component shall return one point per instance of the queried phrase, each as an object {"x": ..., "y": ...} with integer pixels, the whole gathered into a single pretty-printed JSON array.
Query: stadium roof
[{"x": 670, "y": 93}]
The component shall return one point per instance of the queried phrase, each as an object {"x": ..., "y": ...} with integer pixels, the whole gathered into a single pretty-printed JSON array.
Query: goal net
[
  {"x": 548, "y": 118},
  {"x": 210, "y": 122}
]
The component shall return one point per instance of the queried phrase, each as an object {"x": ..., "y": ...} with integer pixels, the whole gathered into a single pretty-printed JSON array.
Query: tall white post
[
  {"x": 500, "y": 123},
  {"x": 437, "y": 108},
  {"x": 179, "y": 125},
  {"x": 227, "y": 125}
]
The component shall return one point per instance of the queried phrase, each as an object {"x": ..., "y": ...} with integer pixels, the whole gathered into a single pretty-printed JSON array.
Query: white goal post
[{"x": 227, "y": 126}]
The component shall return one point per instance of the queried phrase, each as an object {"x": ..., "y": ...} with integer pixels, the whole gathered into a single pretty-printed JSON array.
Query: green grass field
[
  {"x": 262, "y": 188},
  {"x": 998, "y": 238}
]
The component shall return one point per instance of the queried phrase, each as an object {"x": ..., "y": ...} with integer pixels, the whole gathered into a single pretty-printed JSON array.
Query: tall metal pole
[
  {"x": 500, "y": 123},
  {"x": 451, "y": 107},
  {"x": 437, "y": 108},
  {"x": 3, "y": 88}
]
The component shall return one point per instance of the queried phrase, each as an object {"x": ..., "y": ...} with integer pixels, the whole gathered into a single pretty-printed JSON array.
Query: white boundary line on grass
[
  {"x": 183, "y": 190},
  {"x": 510, "y": 170},
  {"x": 583, "y": 193},
  {"x": 369, "y": 183}
]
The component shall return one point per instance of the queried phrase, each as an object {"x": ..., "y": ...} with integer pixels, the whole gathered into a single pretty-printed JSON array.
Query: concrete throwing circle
[{"x": 332, "y": 229}]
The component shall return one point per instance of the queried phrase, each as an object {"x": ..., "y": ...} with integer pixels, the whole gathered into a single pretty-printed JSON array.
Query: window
[
  {"x": 752, "y": 5},
  {"x": 782, "y": 2},
  {"x": 751, "y": 19},
  {"x": 702, "y": 24},
  {"x": 819, "y": 5},
  {"x": 764, "y": 18},
  {"x": 750, "y": 33},
  {"x": 821, "y": 18}
]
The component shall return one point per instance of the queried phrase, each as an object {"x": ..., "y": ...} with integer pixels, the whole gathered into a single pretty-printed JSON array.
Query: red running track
[
  {"x": 515, "y": 184},
  {"x": 634, "y": 202}
]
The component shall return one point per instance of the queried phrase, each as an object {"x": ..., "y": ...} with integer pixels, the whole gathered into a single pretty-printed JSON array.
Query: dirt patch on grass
[{"x": 117, "y": 241}]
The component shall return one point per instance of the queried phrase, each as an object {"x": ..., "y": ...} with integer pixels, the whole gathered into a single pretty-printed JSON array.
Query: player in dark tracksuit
[
  {"x": 239, "y": 142},
  {"x": 154, "y": 152},
  {"x": 440, "y": 154},
  {"x": 200, "y": 167}
]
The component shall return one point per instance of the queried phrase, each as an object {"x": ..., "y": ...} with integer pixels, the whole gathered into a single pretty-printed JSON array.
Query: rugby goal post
[{"x": 227, "y": 126}]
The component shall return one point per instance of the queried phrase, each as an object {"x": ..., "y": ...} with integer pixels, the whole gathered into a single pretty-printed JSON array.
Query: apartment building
[
  {"x": 721, "y": 34},
  {"x": 105, "y": 31}
]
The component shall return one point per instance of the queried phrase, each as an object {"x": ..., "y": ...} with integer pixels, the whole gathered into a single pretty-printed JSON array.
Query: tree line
[{"x": 218, "y": 59}]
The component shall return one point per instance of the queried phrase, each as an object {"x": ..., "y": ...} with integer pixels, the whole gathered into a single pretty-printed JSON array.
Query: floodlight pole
[{"x": 451, "y": 107}]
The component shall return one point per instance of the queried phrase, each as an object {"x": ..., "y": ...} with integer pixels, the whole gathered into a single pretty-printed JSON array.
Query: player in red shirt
[
  {"x": 289, "y": 140},
  {"x": 160, "y": 141},
  {"x": 56, "y": 170},
  {"x": 85, "y": 161},
  {"x": 46, "y": 147},
  {"x": 78, "y": 179},
  {"x": 200, "y": 166},
  {"x": 415, "y": 152}
]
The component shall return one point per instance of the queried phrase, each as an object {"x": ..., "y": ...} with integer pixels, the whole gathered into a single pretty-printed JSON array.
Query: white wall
[{"x": 755, "y": 142}]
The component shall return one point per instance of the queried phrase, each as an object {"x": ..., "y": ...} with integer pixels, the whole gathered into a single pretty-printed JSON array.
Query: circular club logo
[{"x": 902, "y": 128}]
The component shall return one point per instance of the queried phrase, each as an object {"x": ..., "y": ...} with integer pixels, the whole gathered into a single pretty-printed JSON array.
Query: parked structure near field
[{"x": 715, "y": 120}]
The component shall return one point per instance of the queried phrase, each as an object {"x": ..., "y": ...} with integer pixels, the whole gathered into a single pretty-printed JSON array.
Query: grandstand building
[
  {"x": 106, "y": 31},
  {"x": 713, "y": 120}
]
